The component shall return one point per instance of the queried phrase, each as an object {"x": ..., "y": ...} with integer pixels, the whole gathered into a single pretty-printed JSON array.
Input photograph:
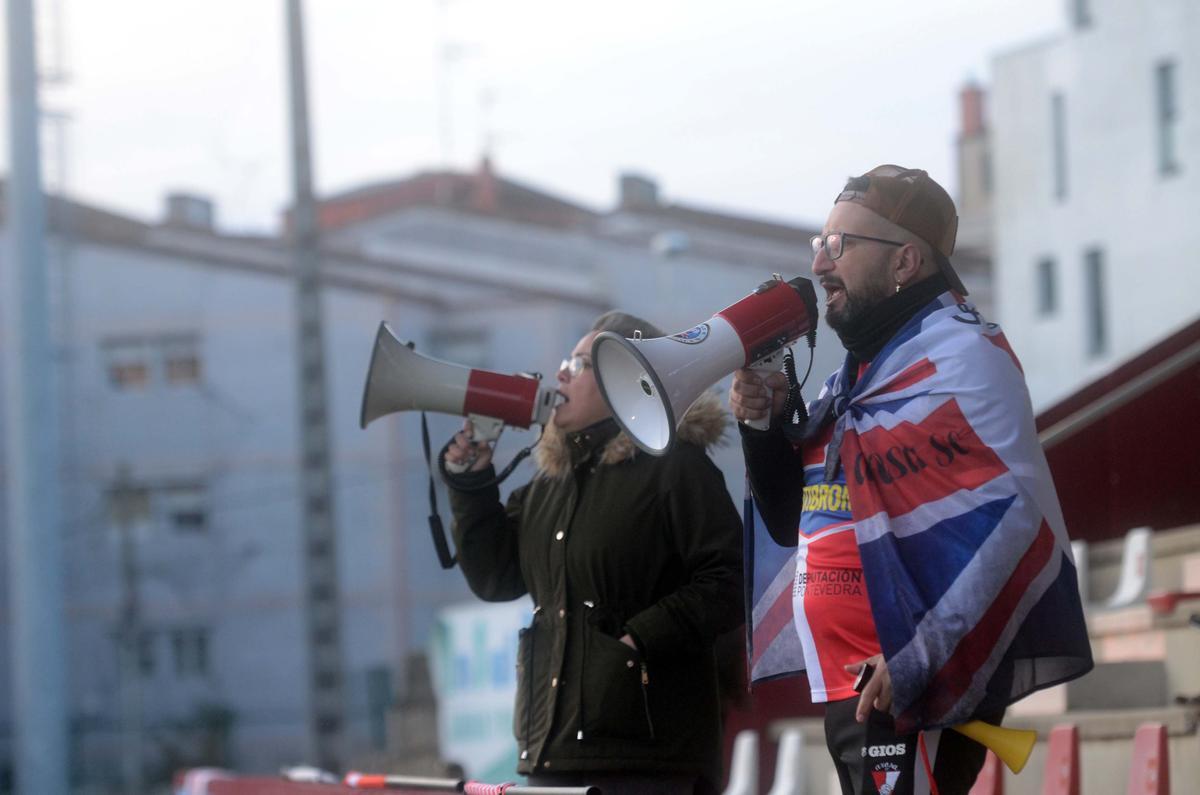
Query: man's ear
[{"x": 907, "y": 267}]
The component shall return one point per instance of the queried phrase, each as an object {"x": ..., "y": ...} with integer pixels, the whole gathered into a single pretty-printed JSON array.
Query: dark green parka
[{"x": 609, "y": 540}]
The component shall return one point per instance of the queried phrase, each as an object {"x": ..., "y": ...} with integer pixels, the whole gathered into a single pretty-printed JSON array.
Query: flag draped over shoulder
[{"x": 964, "y": 550}]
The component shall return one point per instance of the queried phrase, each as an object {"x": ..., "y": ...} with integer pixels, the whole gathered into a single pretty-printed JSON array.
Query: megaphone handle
[
  {"x": 484, "y": 430},
  {"x": 764, "y": 367}
]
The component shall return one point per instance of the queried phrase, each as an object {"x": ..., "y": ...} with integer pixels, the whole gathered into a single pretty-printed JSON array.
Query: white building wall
[{"x": 1117, "y": 201}]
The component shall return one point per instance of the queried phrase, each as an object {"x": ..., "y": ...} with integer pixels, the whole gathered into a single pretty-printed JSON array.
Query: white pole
[{"x": 39, "y": 680}]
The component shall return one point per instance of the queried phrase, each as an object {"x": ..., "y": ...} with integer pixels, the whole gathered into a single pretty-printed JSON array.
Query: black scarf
[
  {"x": 866, "y": 336},
  {"x": 864, "y": 340}
]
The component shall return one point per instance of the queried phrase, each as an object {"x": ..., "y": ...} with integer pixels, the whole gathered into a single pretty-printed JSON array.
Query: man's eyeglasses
[
  {"x": 575, "y": 365},
  {"x": 834, "y": 243}
]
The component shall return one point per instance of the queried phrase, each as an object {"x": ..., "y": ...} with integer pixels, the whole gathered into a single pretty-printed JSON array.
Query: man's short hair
[{"x": 909, "y": 198}]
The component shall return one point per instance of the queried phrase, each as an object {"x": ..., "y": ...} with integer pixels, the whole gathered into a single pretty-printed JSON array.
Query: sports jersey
[{"x": 829, "y": 597}]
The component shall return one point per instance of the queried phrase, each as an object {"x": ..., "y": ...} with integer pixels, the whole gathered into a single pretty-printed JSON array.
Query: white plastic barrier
[
  {"x": 789, "y": 765},
  {"x": 1079, "y": 551},
  {"x": 1135, "y": 569},
  {"x": 743, "y": 770}
]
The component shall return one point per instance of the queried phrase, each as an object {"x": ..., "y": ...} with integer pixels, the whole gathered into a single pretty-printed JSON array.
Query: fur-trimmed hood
[{"x": 705, "y": 424}]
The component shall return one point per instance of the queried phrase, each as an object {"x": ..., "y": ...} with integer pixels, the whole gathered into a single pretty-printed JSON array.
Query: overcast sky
[{"x": 759, "y": 106}]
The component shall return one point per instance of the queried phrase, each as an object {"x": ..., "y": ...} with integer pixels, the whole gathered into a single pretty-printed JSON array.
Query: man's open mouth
[{"x": 832, "y": 291}]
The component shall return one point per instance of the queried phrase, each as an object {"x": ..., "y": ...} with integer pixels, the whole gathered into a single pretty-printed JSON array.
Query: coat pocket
[
  {"x": 523, "y": 706},
  {"x": 615, "y": 699}
]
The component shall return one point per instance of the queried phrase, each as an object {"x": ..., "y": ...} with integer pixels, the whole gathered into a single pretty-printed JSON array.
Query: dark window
[
  {"x": 1167, "y": 116},
  {"x": 1047, "y": 287},
  {"x": 190, "y": 647},
  {"x": 1097, "y": 323},
  {"x": 1058, "y": 125},
  {"x": 186, "y": 507},
  {"x": 145, "y": 653},
  {"x": 129, "y": 504}
]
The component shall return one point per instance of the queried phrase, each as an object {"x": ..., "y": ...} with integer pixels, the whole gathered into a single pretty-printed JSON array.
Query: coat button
[
  {"x": 525, "y": 754},
  {"x": 629, "y": 663},
  {"x": 562, "y": 613},
  {"x": 554, "y": 682},
  {"x": 559, "y": 535},
  {"x": 545, "y": 764}
]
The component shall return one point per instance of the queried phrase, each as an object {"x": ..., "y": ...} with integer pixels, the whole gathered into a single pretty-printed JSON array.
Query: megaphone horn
[
  {"x": 650, "y": 383},
  {"x": 400, "y": 379}
]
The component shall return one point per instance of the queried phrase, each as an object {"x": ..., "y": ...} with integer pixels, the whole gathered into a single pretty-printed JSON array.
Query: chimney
[
  {"x": 485, "y": 195},
  {"x": 974, "y": 147},
  {"x": 190, "y": 211},
  {"x": 970, "y": 101},
  {"x": 637, "y": 192}
]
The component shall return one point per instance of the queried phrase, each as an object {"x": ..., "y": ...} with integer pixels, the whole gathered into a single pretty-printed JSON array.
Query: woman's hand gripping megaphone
[{"x": 471, "y": 448}]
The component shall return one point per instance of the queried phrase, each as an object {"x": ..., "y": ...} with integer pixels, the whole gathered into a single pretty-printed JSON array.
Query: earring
[{"x": 897, "y": 286}]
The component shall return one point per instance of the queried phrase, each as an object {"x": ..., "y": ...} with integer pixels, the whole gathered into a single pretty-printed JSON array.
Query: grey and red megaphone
[
  {"x": 650, "y": 383},
  {"x": 400, "y": 379}
]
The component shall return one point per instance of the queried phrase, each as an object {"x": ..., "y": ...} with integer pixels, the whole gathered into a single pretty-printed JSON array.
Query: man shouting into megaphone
[
  {"x": 634, "y": 566},
  {"x": 934, "y": 583}
]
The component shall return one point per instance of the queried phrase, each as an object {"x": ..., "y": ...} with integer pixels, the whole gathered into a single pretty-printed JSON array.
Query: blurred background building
[
  {"x": 1095, "y": 139},
  {"x": 179, "y": 410}
]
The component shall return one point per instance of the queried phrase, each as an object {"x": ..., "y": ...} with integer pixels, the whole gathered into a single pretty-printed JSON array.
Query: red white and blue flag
[
  {"x": 964, "y": 551},
  {"x": 773, "y": 645}
]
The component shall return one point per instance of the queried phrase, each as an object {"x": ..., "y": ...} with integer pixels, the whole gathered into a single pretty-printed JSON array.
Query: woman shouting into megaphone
[{"x": 634, "y": 566}]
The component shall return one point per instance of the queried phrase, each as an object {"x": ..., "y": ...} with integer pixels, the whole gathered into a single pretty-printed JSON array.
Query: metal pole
[
  {"x": 322, "y": 600},
  {"x": 39, "y": 681},
  {"x": 129, "y": 632}
]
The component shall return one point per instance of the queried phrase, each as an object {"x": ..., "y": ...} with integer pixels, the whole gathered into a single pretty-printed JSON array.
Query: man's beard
[{"x": 857, "y": 306}]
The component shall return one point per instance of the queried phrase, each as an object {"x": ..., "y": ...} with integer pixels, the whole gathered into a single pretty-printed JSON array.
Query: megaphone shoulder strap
[
  {"x": 440, "y": 544},
  {"x": 436, "y": 528}
]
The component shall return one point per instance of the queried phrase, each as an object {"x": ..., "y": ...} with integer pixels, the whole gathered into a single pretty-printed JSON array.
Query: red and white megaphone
[
  {"x": 400, "y": 379},
  {"x": 650, "y": 383}
]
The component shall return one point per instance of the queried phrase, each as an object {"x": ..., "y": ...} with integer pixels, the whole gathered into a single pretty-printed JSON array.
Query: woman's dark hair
[{"x": 625, "y": 324}]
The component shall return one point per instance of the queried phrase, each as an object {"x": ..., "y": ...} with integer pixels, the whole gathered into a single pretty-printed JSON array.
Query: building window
[
  {"x": 129, "y": 504},
  {"x": 1081, "y": 14},
  {"x": 140, "y": 361},
  {"x": 145, "y": 653},
  {"x": 185, "y": 507},
  {"x": 127, "y": 363},
  {"x": 181, "y": 361},
  {"x": 1167, "y": 112},
  {"x": 182, "y": 507},
  {"x": 190, "y": 648},
  {"x": 1058, "y": 128},
  {"x": 1047, "y": 287},
  {"x": 1097, "y": 323}
]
